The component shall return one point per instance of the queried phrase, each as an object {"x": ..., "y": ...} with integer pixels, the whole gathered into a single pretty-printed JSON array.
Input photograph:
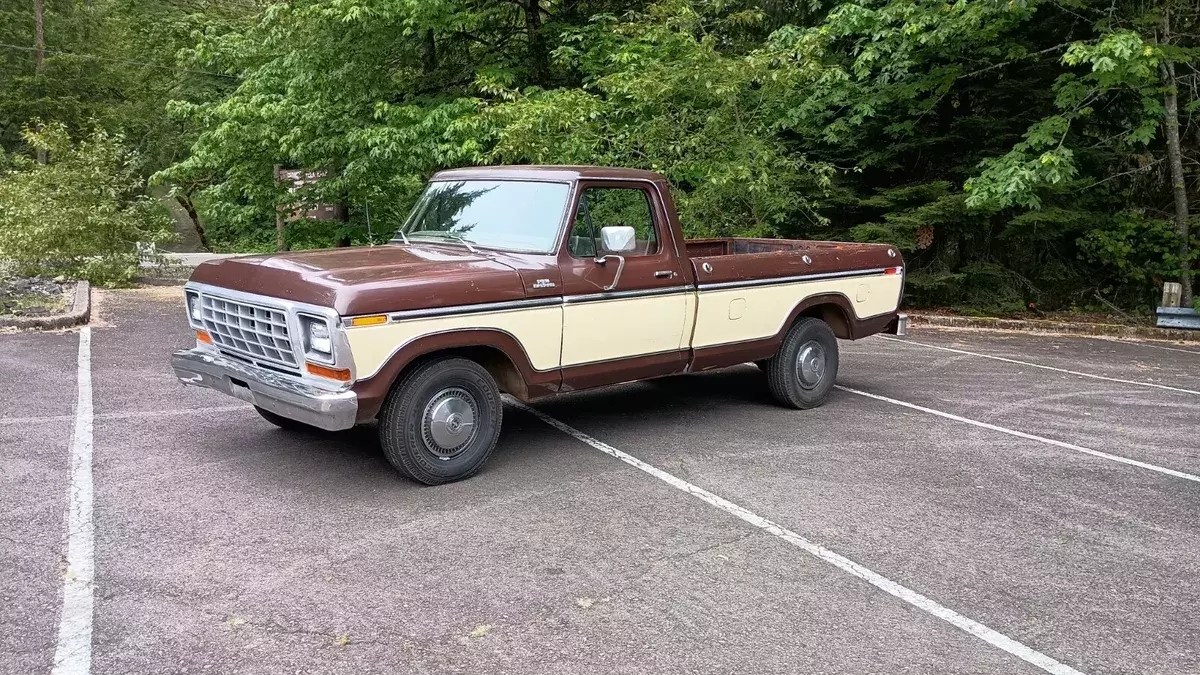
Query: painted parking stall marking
[
  {"x": 132, "y": 414},
  {"x": 1021, "y": 434},
  {"x": 73, "y": 653},
  {"x": 1043, "y": 367},
  {"x": 1195, "y": 352},
  {"x": 988, "y": 635}
]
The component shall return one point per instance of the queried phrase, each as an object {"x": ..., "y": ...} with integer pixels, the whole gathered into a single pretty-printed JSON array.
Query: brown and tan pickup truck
[{"x": 531, "y": 281}]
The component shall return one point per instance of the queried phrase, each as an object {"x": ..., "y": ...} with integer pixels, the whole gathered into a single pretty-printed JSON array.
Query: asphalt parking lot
[{"x": 965, "y": 503}]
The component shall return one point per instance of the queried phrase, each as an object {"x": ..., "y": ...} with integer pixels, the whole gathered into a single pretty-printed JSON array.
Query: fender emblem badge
[{"x": 543, "y": 283}]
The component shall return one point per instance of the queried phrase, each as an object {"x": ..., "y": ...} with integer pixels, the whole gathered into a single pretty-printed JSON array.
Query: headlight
[
  {"x": 317, "y": 341},
  {"x": 193, "y": 304}
]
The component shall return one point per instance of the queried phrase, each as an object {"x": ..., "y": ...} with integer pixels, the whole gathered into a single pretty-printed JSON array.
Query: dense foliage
[
  {"x": 1017, "y": 151},
  {"x": 82, "y": 215}
]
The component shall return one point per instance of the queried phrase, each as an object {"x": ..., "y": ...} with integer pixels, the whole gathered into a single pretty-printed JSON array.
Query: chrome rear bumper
[
  {"x": 899, "y": 326},
  {"x": 331, "y": 409}
]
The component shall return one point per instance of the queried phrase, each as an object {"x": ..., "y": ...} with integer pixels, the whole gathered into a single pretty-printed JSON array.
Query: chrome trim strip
[
  {"x": 507, "y": 305},
  {"x": 791, "y": 280},
  {"x": 617, "y": 295}
]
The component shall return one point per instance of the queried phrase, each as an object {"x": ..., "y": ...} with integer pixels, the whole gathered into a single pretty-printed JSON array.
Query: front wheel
[
  {"x": 441, "y": 421},
  {"x": 801, "y": 374}
]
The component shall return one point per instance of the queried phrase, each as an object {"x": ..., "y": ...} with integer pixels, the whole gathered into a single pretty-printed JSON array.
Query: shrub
[{"x": 80, "y": 215}]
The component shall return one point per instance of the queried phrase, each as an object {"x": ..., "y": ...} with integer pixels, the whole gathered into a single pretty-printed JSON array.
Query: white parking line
[
  {"x": 843, "y": 563},
  {"x": 1170, "y": 349},
  {"x": 1022, "y": 434},
  {"x": 1038, "y": 365},
  {"x": 73, "y": 655},
  {"x": 132, "y": 414}
]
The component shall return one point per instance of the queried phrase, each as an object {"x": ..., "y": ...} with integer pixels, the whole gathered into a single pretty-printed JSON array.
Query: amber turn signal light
[
  {"x": 203, "y": 337},
  {"x": 373, "y": 320},
  {"x": 339, "y": 374}
]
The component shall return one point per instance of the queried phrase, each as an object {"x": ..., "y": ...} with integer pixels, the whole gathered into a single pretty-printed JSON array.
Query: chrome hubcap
[
  {"x": 810, "y": 364},
  {"x": 448, "y": 424}
]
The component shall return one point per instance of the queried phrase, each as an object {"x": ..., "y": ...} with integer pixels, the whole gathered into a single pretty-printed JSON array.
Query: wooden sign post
[{"x": 297, "y": 179}]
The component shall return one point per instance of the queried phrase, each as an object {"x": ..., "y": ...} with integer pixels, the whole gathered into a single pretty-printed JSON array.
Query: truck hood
[{"x": 370, "y": 280}]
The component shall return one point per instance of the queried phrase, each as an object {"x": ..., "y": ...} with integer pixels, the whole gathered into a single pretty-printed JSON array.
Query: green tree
[{"x": 82, "y": 214}]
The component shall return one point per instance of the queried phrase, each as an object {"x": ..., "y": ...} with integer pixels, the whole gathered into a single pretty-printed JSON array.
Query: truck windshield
[{"x": 509, "y": 215}]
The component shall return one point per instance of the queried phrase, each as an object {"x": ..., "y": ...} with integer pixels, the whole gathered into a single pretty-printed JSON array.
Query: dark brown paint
[
  {"x": 372, "y": 280},
  {"x": 602, "y": 373},
  {"x": 751, "y": 259},
  {"x": 515, "y": 374}
]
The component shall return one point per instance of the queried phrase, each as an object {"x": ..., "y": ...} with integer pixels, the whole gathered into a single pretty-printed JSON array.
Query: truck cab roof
[{"x": 546, "y": 173}]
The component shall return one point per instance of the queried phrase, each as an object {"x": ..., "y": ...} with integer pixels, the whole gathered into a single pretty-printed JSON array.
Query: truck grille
[{"x": 253, "y": 332}]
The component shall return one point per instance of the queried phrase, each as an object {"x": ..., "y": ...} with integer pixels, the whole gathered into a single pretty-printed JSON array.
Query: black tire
[
  {"x": 285, "y": 423},
  {"x": 426, "y": 412},
  {"x": 807, "y": 385}
]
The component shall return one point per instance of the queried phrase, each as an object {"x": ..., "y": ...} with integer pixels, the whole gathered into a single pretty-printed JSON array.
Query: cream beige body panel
[
  {"x": 606, "y": 330},
  {"x": 538, "y": 329},
  {"x": 725, "y": 316},
  {"x": 623, "y": 328}
]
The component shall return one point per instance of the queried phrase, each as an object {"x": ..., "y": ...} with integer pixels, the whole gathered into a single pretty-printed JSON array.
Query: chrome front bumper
[{"x": 286, "y": 396}]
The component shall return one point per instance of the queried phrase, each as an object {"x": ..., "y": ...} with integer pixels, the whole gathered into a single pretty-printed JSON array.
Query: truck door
[{"x": 626, "y": 295}]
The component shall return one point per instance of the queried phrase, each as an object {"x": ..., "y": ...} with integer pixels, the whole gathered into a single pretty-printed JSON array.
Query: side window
[{"x": 601, "y": 207}]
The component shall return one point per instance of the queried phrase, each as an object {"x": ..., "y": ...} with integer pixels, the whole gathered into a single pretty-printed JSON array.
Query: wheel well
[
  {"x": 493, "y": 360},
  {"x": 832, "y": 314}
]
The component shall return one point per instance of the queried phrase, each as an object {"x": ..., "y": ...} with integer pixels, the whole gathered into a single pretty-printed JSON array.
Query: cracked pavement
[{"x": 225, "y": 545}]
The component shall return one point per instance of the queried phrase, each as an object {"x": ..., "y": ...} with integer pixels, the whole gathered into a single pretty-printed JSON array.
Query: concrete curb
[
  {"x": 80, "y": 312},
  {"x": 1045, "y": 326}
]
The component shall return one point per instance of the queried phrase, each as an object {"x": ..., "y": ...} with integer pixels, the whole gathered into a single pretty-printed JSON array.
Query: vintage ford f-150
[{"x": 531, "y": 281}]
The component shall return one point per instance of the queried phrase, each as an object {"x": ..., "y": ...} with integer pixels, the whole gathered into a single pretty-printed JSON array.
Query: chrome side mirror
[{"x": 618, "y": 239}]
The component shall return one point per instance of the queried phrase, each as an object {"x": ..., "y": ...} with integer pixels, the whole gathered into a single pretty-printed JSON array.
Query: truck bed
[
  {"x": 703, "y": 248},
  {"x": 743, "y": 259}
]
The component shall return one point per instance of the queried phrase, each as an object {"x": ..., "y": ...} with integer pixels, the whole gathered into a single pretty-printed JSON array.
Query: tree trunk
[
  {"x": 1175, "y": 160},
  {"x": 186, "y": 202},
  {"x": 428, "y": 52},
  {"x": 39, "y": 53},
  {"x": 538, "y": 65},
  {"x": 280, "y": 223},
  {"x": 280, "y": 238}
]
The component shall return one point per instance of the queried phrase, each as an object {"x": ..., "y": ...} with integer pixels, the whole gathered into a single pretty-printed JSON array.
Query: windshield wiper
[
  {"x": 448, "y": 235},
  {"x": 465, "y": 241}
]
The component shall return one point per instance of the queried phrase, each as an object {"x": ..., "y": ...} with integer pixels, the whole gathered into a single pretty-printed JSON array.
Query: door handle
[{"x": 664, "y": 274}]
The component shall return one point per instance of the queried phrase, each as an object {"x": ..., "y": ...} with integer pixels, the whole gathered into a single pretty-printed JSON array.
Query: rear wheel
[
  {"x": 801, "y": 374},
  {"x": 282, "y": 422},
  {"x": 441, "y": 421}
]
